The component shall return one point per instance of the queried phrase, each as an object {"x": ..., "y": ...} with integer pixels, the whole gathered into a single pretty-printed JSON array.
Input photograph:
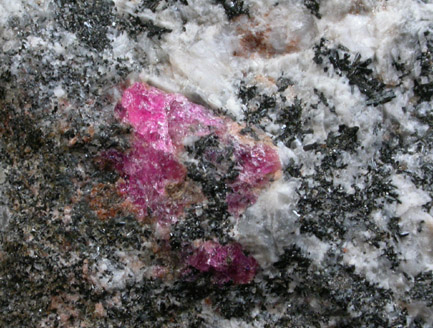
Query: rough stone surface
[{"x": 341, "y": 90}]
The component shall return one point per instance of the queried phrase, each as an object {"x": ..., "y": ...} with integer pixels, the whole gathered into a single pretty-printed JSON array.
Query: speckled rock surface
[{"x": 342, "y": 89}]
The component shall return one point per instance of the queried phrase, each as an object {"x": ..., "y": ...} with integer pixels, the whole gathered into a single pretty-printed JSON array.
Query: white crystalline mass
[
  {"x": 109, "y": 274},
  {"x": 10, "y": 9},
  {"x": 197, "y": 59},
  {"x": 410, "y": 196},
  {"x": 192, "y": 62},
  {"x": 270, "y": 224}
]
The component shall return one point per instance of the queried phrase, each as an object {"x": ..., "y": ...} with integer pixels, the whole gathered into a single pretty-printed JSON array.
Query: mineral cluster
[{"x": 182, "y": 155}]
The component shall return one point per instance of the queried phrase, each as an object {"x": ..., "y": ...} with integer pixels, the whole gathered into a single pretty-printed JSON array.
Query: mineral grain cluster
[{"x": 182, "y": 155}]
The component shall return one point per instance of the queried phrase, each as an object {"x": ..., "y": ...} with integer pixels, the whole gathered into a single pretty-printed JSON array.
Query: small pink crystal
[
  {"x": 257, "y": 163},
  {"x": 225, "y": 262}
]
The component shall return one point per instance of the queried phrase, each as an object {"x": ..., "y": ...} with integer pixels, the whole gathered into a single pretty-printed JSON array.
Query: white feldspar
[{"x": 269, "y": 225}]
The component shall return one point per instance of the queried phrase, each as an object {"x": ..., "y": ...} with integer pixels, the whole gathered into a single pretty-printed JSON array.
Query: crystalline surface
[
  {"x": 155, "y": 177},
  {"x": 227, "y": 262},
  {"x": 161, "y": 121},
  {"x": 257, "y": 164}
]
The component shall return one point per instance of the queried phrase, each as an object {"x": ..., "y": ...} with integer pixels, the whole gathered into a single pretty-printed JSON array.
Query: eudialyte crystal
[
  {"x": 167, "y": 129},
  {"x": 227, "y": 263}
]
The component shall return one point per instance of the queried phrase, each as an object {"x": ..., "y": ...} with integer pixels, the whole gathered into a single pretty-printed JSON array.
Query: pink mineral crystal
[
  {"x": 257, "y": 163},
  {"x": 162, "y": 122},
  {"x": 227, "y": 263}
]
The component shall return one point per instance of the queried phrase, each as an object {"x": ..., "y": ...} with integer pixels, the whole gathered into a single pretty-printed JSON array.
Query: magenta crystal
[
  {"x": 161, "y": 123},
  {"x": 156, "y": 182},
  {"x": 257, "y": 163},
  {"x": 163, "y": 120},
  {"x": 227, "y": 263}
]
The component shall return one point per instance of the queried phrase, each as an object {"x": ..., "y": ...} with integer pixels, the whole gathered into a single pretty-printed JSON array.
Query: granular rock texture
[{"x": 283, "y": 178}]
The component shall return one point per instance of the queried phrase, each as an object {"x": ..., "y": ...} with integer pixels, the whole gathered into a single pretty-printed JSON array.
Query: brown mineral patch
[
  {"x": 259, "y": 42},
  {"x": 115, "y": 301},
  {"x": 236, "y": 129},
  {"x": 100, "y": 311},
  {"x": 106, "y": 203},
  {"x": 159, "y": 272},
  {"x": 292, "y": 46},
  {"x": 187, "y": 191},
  {"x": 85, "y": 268},
  {"x": 208, "y": 301},
  {"x": 90, "y": 133},
  {"x": 359, "y": 8},
  {"x": 73, "y": 141},
  {"x": 256, "y": 42},
  {"x": 64, "y": 306},
  {"x": 175, "y": 191},
  {"x": 267, "y": 81}
]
